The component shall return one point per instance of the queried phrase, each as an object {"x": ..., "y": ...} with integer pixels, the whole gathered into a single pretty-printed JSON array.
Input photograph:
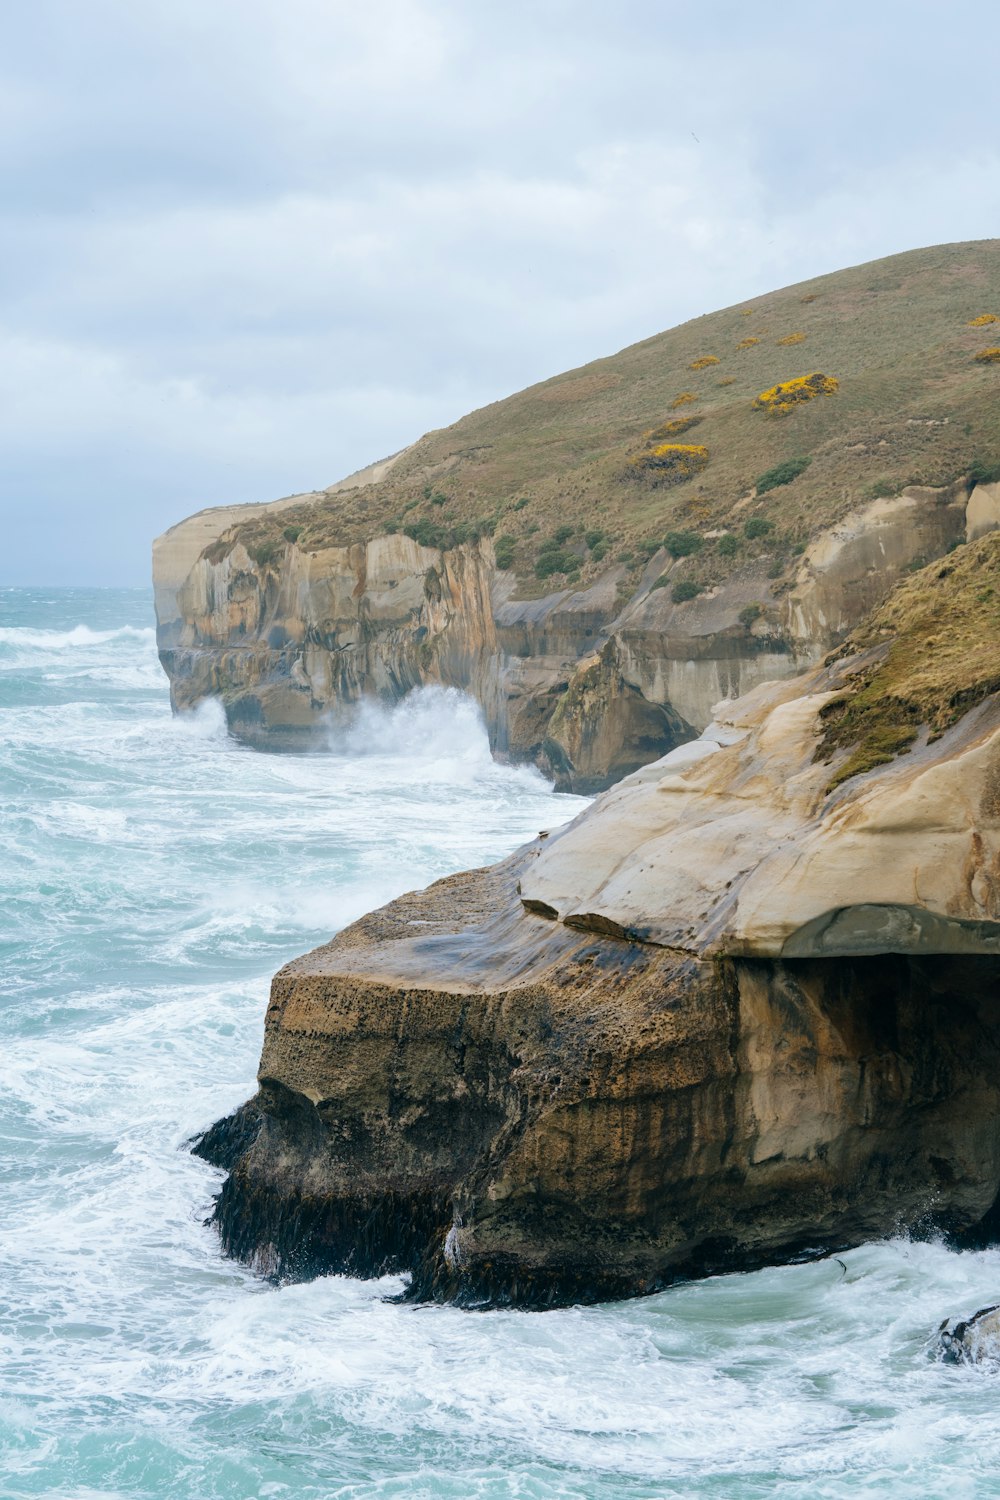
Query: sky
[{"x": 249, "y": 246}]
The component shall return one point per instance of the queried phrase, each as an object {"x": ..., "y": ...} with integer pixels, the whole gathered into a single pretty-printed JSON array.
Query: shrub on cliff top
[
  {"x": 782, "y": 474},
  {"x": 791, "y": 393},
  {"x": 264, "y": 553},
  {"x": 989, "y": 356},
  {"x": 672, "y": 428},
  {"x": 757, "y": 527},
  {"x": 671, "y": 463},
  {"x": 503, "y": 550},
  {"x": 554, "y": 561},
  {"x": 682, "y": 543},
  {"x": 684, "y": 590}
]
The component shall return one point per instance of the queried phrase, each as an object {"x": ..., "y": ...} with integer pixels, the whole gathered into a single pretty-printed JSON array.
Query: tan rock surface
[{"x": 740, "y": 849}]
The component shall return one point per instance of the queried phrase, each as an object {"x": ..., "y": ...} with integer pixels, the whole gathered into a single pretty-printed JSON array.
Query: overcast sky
[{"x": 252, "y": 245}]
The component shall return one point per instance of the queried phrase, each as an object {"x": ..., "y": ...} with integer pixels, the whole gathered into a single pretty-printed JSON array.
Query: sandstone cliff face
[
  {"x": 590, "y": 684},
  {"x": 727, "y": 1016}
]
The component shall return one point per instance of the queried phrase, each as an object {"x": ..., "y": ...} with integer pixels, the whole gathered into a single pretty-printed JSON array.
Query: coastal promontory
[{"x": 745, "y": 578}]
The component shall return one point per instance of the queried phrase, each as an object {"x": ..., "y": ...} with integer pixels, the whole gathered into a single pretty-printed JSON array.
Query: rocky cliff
[
  {"x": 744, "y": 1008},
  {"x": 602, "y": 558}
]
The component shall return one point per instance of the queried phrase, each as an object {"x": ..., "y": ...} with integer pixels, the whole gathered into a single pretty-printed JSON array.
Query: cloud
[{"x": 250, "y": 247}]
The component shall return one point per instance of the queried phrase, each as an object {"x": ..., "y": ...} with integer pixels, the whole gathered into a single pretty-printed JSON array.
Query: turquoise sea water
[{"x": 152, "y": 876}]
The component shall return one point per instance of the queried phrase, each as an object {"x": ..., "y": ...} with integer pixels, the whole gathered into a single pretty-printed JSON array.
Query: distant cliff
[{"x": 602, "y": 558}]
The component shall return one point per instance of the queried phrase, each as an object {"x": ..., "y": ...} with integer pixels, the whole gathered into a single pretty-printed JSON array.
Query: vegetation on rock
[
  {"x": 789, "y": 394},
  {"x": 909, "y": 398},
  {"x": 782, "y": 474},
  {"x": 935, "y": 653}
]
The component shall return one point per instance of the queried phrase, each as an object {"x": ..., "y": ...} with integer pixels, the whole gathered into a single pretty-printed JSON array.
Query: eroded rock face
[
  {"x": 732, "y": 843},
  {"x": 725, "y": 1017},
  {"x": 558, "y": 1116},
  {"x": 589, "y": 684}
]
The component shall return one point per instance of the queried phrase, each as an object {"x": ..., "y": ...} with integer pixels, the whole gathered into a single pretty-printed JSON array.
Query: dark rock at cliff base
[
  {"x": 564, "y": 1117},
  {"x": 972, "y": 1341}
]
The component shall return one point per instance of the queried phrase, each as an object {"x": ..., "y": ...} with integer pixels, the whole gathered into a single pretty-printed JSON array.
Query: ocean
[{"x": 153, "y": 875}]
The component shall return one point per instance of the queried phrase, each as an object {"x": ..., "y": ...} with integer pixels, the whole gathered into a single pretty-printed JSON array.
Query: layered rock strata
[
  {"x": 734, "y": 1013},
  {"x": 588, "y": 684}
]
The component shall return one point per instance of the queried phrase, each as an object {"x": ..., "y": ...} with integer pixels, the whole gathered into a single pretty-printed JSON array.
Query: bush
[
  {"x": 684, "y": 399},
  {"x": 561, "y": 534},
  {"x": 524, "y": 500},
  {"x": 648, "y": 549},
  {"x": 438, "y": 499},
  {"x": 748, "y": 614},
  {"x": 785, "y": 397},
  {"x": 292, "y": 533},
  {"x": 984, "y": 473},
  {"x": 671, "y": 463},
  {"x": 728, "y": 545},
  {"x": 747, "y": 343},
  {"x": 704, "y": 363},
  {"x": 782, "y": 474},
  {"x": 669, "y": 429},
  {"x": 790, "y": 338},
  {"x": 503, "y": 548},
  {"x": 756, "y": 527},
  {"x": 599, "y": 552},
  {"x": 982, "y": 320},
  {"x": 553, "y": 561},
  {"x": 264, "y": 553},
  {"x": 989, "y": 356},
  {"x": 685, "y": 590},
  {"x": 682, "y": 543},
  {"x": 593, "y": 538}
]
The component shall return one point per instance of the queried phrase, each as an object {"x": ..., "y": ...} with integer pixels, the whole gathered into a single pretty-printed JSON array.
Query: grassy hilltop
[{"x": 888, "y": 374}]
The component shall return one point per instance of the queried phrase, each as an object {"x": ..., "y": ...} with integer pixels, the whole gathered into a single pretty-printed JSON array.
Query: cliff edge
[{"x": 603, "y": 557}]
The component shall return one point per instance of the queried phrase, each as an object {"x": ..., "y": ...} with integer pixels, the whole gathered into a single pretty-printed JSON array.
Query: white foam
[{"x": 154, "y": 876}]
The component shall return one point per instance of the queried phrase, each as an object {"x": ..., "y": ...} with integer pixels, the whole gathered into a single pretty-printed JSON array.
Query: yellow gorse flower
[
  {"x": 704, "y": 362},
  {"x": 989, "y": 356},
  {"x": 791, "y": 338},
  {"x": 792, "y": 393},
  {"x": 982, "y": 320}
]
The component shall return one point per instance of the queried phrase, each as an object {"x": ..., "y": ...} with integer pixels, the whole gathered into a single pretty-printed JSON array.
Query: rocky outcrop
[
  {"x": 590, "y": 683},
  {"x": 972, "y": 1341},
  {"x": 736, "y": 1012}
]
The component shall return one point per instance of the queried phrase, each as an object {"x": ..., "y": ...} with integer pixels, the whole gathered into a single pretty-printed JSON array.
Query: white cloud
[{"x": 251, "y": 246}]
